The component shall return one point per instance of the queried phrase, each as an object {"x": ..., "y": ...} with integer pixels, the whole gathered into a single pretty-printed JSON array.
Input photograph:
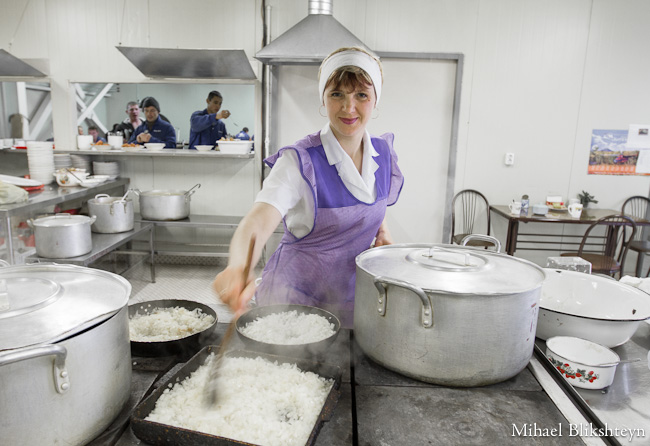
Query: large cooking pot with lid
[
  {"x": 447, "y": 314},
  {"x": 165, "y": 204},
  {"x": 113, "y": 214},
  {"x": 62, "y": 236},
  {"x": 65, "y": 360}
]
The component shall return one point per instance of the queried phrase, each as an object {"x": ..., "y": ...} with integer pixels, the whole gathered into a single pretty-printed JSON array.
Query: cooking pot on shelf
[
  {"x": 447, "y": 314},
  {"x": 165, "y": 204},
  {"x": 65, "y": 362},
  {"x": 113, "y": 214},
  {"x": 62, "y": 236}
]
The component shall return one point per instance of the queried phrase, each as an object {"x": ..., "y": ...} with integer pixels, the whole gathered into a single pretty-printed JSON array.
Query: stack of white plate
[
  {"x": 110, "y": 168},
  {"x": 82, "y": 162},
  {"x": 40, "y": 159},
  {"x": 62, "y": 161}
]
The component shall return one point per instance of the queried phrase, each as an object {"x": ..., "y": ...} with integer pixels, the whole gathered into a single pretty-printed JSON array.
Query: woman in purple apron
[{"x": 330, "y": 189}]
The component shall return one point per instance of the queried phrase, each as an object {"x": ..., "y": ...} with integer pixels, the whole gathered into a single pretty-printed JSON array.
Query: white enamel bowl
[
  {"x": 203, "y": 148},
  {"x": 591, "y": 307},
  {"x": 155, "y": 145},
  {"x": 236, "y": 147},
  {"x": 582, "y": 363}
]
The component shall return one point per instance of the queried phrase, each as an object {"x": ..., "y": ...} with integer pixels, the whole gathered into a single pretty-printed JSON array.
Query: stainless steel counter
[
  {"x": 378, "y": 406},
  {"x": 623, "y": 407}
]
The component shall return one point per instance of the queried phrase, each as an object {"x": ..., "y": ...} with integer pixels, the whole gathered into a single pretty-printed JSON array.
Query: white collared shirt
[{"x": 287, "y": 191}]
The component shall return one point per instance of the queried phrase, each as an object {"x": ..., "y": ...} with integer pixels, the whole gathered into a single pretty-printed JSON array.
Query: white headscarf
[{"x": 350, "y": 57}]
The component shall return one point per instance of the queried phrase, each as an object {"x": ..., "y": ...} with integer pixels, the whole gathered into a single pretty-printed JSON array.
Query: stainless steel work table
[
  {"x": 106, "y": 243},
  {"x": 50, "y": 195},
  {"x": 380, "y": 407},
  {"x": 166, "y": 153},
  {"x": 626, "y": 403}
]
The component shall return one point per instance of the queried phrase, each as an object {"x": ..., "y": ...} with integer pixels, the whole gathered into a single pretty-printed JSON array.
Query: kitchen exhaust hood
[
  {"x": 311, "y": 39},
  {"x": 190, "y": 63},
  {"x": 12, "y": 66}
]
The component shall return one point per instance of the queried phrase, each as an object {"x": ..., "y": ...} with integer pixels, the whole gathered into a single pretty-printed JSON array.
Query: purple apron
[{"x": 319, "y": 269}]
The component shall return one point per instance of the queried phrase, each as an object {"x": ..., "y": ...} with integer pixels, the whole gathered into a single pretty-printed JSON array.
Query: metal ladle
[{"x": 622, "y": 361}]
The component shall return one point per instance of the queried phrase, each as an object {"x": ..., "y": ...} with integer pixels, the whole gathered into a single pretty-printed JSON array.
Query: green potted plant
[{"x": 586, "y": 198}]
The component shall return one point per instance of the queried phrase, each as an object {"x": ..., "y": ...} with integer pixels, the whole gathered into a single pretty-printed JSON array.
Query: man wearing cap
[
  {"x": 154, "y": 129},
  {"x": 206, "y": 126}
]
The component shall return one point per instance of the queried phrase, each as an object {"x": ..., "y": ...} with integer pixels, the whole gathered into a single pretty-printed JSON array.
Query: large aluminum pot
[
  {"x": 165, "y": 204},
  {"x": 113, "y": 214},
  {"x": 62, "y": 236},
  {"x": 446, "y": 314},
  {"x": 65, "y": 361},
  {"x": 591, "y": 307}
]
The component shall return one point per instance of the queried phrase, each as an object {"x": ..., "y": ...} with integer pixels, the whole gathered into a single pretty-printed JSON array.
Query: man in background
[
  {"x": 154, "y": 129},
  {"x": 93, "y": 130},
  {"x": 206, "y": 126},
  {"x": 243, "y": 135},
  {"x": 132, "y": 121}
]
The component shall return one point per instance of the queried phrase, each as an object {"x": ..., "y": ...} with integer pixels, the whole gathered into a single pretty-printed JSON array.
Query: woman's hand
[
  {"x": 383, "y": 236},
  {"x": 230, "y": 288}
]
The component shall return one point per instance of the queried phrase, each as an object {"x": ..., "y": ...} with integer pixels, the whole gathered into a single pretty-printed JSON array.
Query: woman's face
[{"x": 349, "y": 110}]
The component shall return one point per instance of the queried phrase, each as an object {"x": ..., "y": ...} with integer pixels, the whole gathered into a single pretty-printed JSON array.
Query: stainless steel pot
[
  {"x": 65, "y": 363},
  {"x": 447, "y": 314},
  {"x": 113, "y": 214},
  {"x": 62, "y": 235},
  {"x": 165, "y": 204}
]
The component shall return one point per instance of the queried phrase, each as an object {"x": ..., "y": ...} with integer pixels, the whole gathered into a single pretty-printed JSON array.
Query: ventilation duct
[{"x": 311, "y": 39}]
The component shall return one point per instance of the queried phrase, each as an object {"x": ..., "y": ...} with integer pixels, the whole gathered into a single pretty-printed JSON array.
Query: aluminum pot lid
[
  {"x": 46, "y": 303},
  {"x": 62, "y": 220},
  {"x": 452, "y": 269}
]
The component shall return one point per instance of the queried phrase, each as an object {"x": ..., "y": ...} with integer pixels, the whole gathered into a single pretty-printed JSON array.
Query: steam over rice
[
  {"x": 168, "y": 324},
  {"x": 258, "y": 402},
  {"x": 289, "y": 328}
]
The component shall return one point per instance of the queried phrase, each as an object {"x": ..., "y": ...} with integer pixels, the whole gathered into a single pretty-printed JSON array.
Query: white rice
[
  {"x": 258, "y": 402},
  {"x": 289, "y": 328},
  {"x": 168, "y": 324}
]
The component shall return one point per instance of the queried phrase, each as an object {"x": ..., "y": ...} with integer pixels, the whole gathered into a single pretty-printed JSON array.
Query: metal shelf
[{"x": 104, "y": 244}]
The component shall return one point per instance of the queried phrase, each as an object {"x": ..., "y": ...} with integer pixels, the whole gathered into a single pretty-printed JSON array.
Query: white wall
[{"x": 538, "y": 78}]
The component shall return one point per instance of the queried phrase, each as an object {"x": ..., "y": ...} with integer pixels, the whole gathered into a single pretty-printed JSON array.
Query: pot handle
[
  {"x": 92, "y": 219},
  {"x": 101, "y": 196},
  {"x": 381, "y": 283},
  {"x": 194, "y": 188},
  {"x": 61, "y": 378},
  {"x": 485, "y": 238},
  {"x": 136, "y": 191}
]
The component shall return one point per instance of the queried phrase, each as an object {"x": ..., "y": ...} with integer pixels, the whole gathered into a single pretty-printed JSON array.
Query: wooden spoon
[{"x": 210, "y": 397}]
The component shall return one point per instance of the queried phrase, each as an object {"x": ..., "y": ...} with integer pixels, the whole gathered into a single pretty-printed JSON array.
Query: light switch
[{"x": 510, "y": 159}]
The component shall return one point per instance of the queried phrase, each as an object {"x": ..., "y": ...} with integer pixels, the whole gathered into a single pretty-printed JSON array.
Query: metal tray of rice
[{"x": 262, "y": 399}]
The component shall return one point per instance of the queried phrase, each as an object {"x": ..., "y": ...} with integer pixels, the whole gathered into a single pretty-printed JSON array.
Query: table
[
  {"x": 51, "y": 194},
  {"x": 587, "y": 217}
]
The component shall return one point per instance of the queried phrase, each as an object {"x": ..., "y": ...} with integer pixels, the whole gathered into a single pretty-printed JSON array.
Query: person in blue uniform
[
  {"x": 154, "y": 129},
  {"x": 243, "y": 135},
  {"x": 93, "y": 130},
  {"x": 206, "y": 126}
]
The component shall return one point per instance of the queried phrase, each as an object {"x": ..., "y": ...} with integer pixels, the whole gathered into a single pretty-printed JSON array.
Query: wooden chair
[
  {"x": 637, "y": 207},
  {"x": 606, "y": 252},
  {"x": 470, "y": 214}
]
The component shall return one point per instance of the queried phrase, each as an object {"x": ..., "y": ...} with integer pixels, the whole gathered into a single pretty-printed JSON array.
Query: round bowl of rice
[
  {"x": 288, "y": 330},
  {"x": 169, "y": 327}
]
